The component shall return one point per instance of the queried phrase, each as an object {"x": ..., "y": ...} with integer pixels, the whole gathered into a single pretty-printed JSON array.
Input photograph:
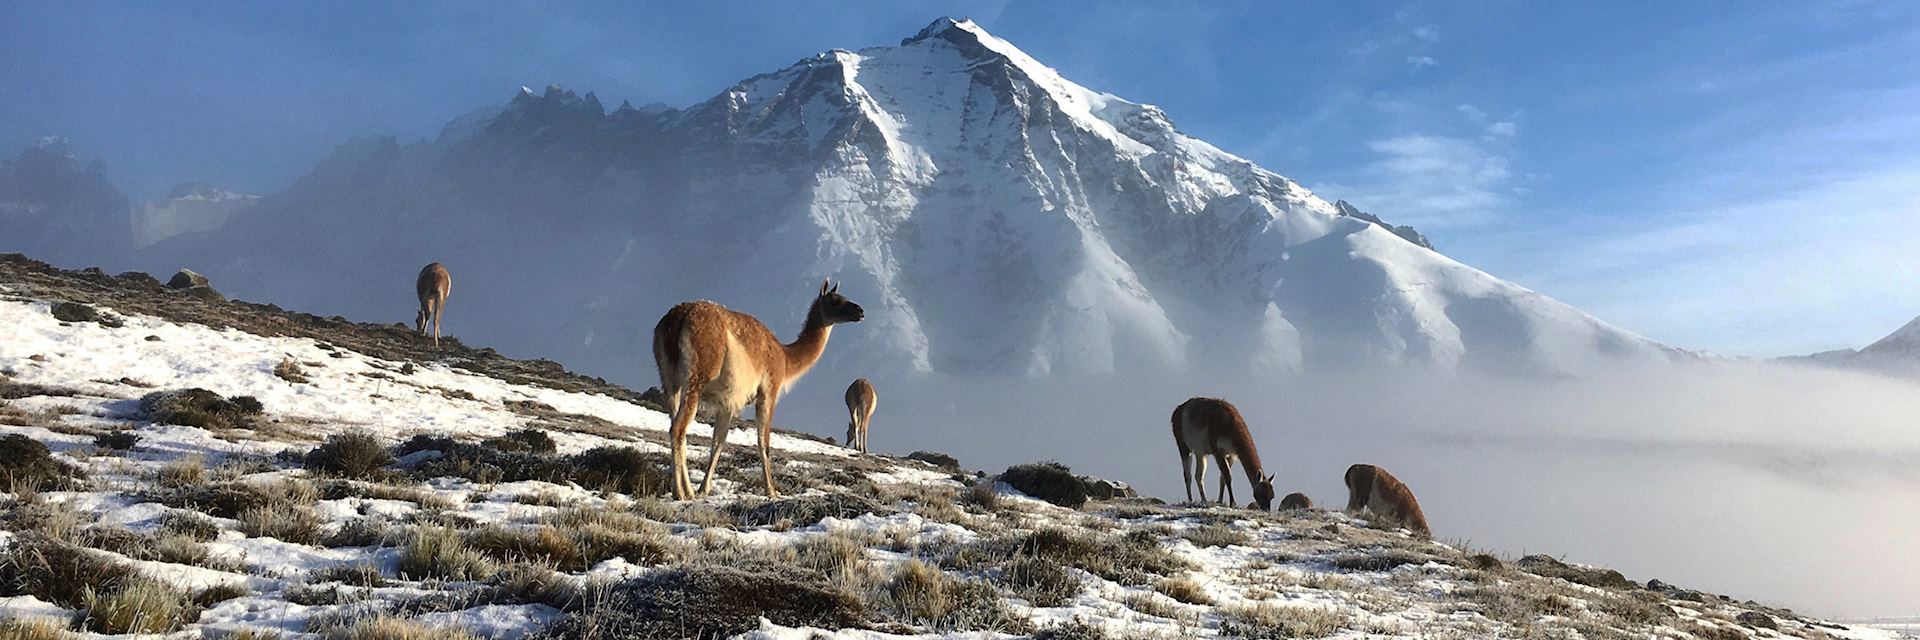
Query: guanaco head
[
  {"x": 833, "y": 308},
  {"x": 1263, "y": 493}
]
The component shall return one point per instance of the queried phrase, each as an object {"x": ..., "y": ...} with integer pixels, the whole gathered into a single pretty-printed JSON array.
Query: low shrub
[
  {"x": 26, "y": 466},
  {"x": 807, "y": 510},
  {"x": 1185, "y": 589},
  {"x": 298, "y": 524},
  {"x": 1280, "y": 621},
  {"x": 386, "y": 627},
  {"x": 532, "y": 441},
  {"x": 352, "y": 454},
  {"x": 1049, "y": 481},
  {"x": 116, "y": 440},
  {"x": 937, "y": 459},
  {"x": 623, "y": 469},
  {"x": 1550, "y": 567},
  {"x": 199, "y": 408},
  {"x": 1042, "y": 583},
  {"x": 711, "y": 601},
  {"x": 291, "y": 371},
  {"x": 356, "y": 574},
  {"x": 439, "y": 552},
  {"x": 181, "y": 472},
  {"x": 34, "y": 629},
  {"x": 57, "y": 572}
]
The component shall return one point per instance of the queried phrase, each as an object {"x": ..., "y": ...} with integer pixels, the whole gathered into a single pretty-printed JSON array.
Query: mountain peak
[{"x": 942, "y": 25}]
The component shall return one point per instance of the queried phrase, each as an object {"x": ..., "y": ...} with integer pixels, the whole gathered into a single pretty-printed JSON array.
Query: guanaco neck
[
  {"x": 805, "y": 350},
  {"x": 1249, "y": 457}
]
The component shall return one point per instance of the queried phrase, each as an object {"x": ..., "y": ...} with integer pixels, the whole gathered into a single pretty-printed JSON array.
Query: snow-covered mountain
[
  {"x": 1898, "y": 352},
  {"x": 190, "y": 207},
  {"x": 992, "y": 216}
]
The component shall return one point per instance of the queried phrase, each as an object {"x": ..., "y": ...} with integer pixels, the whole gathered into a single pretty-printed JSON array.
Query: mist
[{"x": 1791, "y": 486}]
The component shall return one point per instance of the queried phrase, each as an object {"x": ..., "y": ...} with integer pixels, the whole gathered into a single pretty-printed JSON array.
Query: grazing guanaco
[
  {"x": 1296, "y": 500},
  {"x": 860, "y": 402},
  {"x": 433, "y": 285},
  {"x": 1372, "y": 488},
  {"x": 709, "y": 353},
  {"x": 1211, "y": 426}
]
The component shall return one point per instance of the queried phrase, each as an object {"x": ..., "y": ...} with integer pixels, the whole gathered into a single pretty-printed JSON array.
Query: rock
[
  {"x": 935, "y": 458},
  {"x": 205, "y": 293},
  {"x": 74, "y": 312},
  {"x": 1656, "y": 585},
  {"x": 1756, "y": 620},
  {"x": 153, "y": 338},
  {"x": 1102, "y": 489},
  {"x": 140, "y": 278},
  {"x": 187, "y": 279}
]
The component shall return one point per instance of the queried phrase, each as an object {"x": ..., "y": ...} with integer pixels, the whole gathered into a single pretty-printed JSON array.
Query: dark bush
[
  {"x": 623, "y": 469},
  {"x": 1043, "y": 583},
  {"x": 936, "y": 458},
  {"x": 807, "y": 510},
  {"x": 198, "y": 408},
  {"x": 1049, "y": 481},
  {"x": 26, "y": 466},
  {"x": 60, "y": 573},
  {"x": 1550, "y": 567},
  {"x": 1074, "y": 629},
  {"x": 116, "y": 440},
  {"x": 710, "y": 601},
  {"x": 352, "y": 454},
  {"x": 532, "y": 441}
]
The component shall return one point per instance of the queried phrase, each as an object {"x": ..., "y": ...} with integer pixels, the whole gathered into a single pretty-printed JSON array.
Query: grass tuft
[{"x": 138, "y": 606}]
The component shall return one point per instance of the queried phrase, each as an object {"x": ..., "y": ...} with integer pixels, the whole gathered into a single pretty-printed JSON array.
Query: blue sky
[{"x": 1737, "y": 177}]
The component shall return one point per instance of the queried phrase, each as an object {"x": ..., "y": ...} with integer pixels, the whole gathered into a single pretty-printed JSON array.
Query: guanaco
[
  {"x": 433, "y": 285},
  {"x": 1296, "y": 500},
  {"x": 1372, "y": 488},
  {"x": 709, "y": 353},
  {"x": 1211, "y": 426},
  {"x": 860, "y": 403}
]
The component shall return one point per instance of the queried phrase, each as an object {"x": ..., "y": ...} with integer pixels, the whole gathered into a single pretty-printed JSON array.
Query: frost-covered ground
[{"x": 247, "y": 533}]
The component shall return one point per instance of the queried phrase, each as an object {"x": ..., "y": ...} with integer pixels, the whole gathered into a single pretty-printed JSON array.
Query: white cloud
[
  {"x": 1430, "y": 180},
  {"x": 1427, "y": 33},
  {"x": 1502, "y": 129},
  {"x": 1796, "y": 271},
  {"x": 1422, "y": 61}
]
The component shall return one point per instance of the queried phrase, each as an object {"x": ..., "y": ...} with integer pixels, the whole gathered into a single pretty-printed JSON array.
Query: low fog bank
[{"x": 1793, "y": 486}]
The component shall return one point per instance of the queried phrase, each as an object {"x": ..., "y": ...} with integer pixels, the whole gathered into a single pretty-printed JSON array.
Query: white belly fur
[{"x": 739, "y": 381}]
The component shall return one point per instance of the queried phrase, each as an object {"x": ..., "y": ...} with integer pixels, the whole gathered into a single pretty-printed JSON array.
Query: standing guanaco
[
  {"x": 432, "y": 286},
  {"x": 861, "y": 399},
  {"x": 709, "y": 353},
  {"x": 1211, "y": 426}
]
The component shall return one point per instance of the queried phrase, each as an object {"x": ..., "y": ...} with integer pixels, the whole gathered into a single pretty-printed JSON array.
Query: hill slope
[
  {"x": 993, "y": 216},
  {"x": 373, "y": 482}
]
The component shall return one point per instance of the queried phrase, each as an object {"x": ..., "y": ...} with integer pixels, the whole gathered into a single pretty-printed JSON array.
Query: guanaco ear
[
  {"x": 1269, "y": 479},
  {"x": 823, "y": 286},
  {"x": 835, "y": 289}
]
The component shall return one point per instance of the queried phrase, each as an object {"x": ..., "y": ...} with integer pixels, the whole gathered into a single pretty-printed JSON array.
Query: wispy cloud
[
  {"x": 1422, "y": 61},
  {"x": 1427, "y": 33},
  {"x": 1431, "y": 180}
]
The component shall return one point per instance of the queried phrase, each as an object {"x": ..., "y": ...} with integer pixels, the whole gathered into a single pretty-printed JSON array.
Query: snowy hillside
[
  {"x": 352, "y": 481},
  {"x": 1898, "y": 353},
  {"x": 991, "y": 215}
]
